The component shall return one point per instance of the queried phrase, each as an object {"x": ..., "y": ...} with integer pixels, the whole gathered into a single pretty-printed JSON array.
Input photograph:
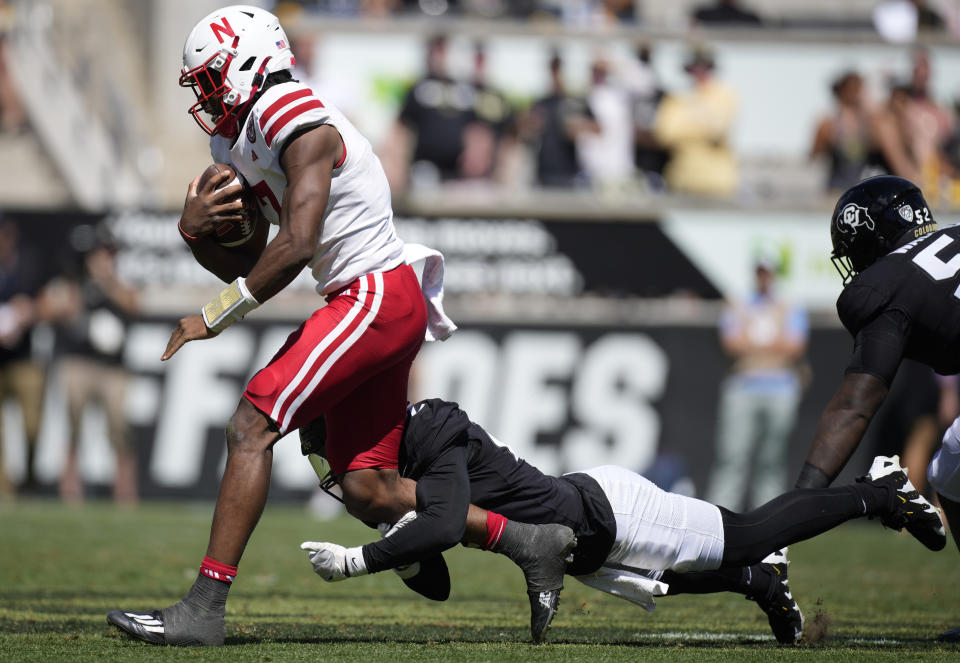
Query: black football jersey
[
  {"x": 505, "y": 484},
  {"x": 907, "y": 305}
]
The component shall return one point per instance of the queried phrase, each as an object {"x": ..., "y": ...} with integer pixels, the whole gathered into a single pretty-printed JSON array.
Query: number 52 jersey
[
  {"x": 907, "y": 305},
  {"x": 357, "y": 236}
]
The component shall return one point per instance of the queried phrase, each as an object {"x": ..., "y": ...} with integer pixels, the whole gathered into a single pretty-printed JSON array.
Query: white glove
[
  {"x": 333, "y": 562},
  {"x": 386, "y": 529}
]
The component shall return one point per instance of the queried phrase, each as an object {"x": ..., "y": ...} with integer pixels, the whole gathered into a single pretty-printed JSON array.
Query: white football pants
[
  {"x": 943, "y": 473},
  {"x": 659, "y": 530}
]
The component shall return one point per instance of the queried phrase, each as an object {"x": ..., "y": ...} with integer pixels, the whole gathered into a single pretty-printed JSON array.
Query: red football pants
[{"x": 350, "y": 362}]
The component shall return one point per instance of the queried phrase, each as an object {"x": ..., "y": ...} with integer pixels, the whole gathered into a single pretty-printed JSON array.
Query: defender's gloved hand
[{"x": 333, "y": 562}]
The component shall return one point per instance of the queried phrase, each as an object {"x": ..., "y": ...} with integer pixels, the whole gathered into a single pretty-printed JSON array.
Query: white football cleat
[{"x": 907, "y": 507}]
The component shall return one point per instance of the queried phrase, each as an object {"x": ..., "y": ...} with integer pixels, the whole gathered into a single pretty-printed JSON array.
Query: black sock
[
  {"x": 739, "y": 580},
  {"x": 795, "y": 516}
]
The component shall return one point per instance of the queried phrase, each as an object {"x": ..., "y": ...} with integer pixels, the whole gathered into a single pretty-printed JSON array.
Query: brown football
[{"x": 229, "y": 233}]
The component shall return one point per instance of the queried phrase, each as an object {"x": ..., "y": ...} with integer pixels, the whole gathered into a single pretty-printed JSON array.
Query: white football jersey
[{"x": 358, "y": 236}]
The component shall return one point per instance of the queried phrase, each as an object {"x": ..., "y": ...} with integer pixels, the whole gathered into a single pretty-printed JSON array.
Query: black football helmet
[{"x": 874, "y": 217}]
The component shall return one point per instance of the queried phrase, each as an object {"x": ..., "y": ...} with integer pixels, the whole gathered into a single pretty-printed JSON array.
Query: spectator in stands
[
  {"x": 492, "y": 119},
  {"x": 892, "y": 128},
  {"x": 766, "y": 336},
  {"x": 928, "y": 18},
  {"x": 553, "y": 125},
  {"x": 950, "y": 150},
  {"x": 902, "y": 21},
  {"x": 931, "y": 123},
  {"x": 607, "y": 154},
  {"x": 621, "y": 10},
  {"x": 843, "y": 137},
  {"x": 378, "y": 8},
  {"x": 435, "y": 115},
  {"x": 21, "y": 376},
  {"x": 645, "y": 94},
  {"x": 13, "y": 118},
  {"x": 695, "y": 127},
  {"x": 371, "y": 8},
  {"x": 725, "y": 13},
  {"x": 90, "y": 340}
]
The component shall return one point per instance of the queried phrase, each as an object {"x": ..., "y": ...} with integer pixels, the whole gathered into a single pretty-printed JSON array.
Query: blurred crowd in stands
[
  {"x": 906, "y": 133},
  {"x": 626, "y": 133},
  {"x": 923, "y": 13},
  {"x": 63, "y": 320}
]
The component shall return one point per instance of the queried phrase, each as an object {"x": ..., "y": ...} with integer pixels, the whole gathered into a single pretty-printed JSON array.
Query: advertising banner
[{"x": 563, "y": 397}]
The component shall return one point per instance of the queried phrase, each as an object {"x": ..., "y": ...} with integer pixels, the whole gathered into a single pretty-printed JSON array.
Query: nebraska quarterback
[{"x": 318, "y": 179}]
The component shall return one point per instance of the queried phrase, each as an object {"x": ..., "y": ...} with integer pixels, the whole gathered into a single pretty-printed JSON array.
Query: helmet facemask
[
  {"x": 844, "y": 266},
  {"x": 215, "y": 98},
  {"x": 854, "y": 255},
  {"x": 212, "y": 111}
]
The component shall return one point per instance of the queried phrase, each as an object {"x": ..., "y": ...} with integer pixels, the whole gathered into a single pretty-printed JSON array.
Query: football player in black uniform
[
  {"x": 634, "y": 540},
  {"x": 901, "y": 299}
]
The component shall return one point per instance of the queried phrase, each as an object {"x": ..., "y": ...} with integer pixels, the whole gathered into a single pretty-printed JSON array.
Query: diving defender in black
[{"x": 455, "y": 463}]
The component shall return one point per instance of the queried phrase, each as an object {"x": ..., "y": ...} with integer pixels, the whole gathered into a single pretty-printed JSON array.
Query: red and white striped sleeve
[{"x": 288, "y": 113}]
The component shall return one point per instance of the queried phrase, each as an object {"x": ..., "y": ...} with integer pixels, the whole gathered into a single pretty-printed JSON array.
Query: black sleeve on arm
[
  {"x": 443, "y": 498},
  {"x": 878, "y": 347},
  {"x": 295, "y": 135}
]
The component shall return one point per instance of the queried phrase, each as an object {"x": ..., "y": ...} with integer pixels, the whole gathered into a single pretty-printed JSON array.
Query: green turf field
[{"x": 61, "y": 569}]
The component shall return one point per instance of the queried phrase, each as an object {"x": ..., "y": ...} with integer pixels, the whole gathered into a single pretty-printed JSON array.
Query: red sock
[
  {"x": 214, "y": 569},
  {"x": 495, "y": 525}
]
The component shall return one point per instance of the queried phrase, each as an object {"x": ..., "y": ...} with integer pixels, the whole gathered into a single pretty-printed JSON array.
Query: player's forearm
[
  {"x": 443, "y": 499},
  {"x": 279, "y": 264},
  {"x": 838, "y": 434},
  {"x": 844, "y": 421},
  {"x": 431, "y": 532}
]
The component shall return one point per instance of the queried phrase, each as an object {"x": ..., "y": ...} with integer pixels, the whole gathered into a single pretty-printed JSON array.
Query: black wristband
[{"x": 812, "y": 477}]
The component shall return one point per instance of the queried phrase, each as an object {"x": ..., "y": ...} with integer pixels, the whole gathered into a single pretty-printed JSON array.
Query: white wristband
[
  {"x": 233, "y": 302},
  {"x": 354, "y": 562}
]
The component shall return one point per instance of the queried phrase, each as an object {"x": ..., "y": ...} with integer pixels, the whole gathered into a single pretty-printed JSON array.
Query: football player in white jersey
[{"x": 318, "y": 179}]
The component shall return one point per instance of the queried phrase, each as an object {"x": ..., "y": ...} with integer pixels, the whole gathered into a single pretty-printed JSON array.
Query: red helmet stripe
[
  {"x": 285, "y": 119},
  {"x": 280, "y": 103}
]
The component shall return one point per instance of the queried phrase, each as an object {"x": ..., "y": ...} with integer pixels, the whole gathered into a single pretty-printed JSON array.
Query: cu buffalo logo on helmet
[{"x": 852, "y": 217}]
